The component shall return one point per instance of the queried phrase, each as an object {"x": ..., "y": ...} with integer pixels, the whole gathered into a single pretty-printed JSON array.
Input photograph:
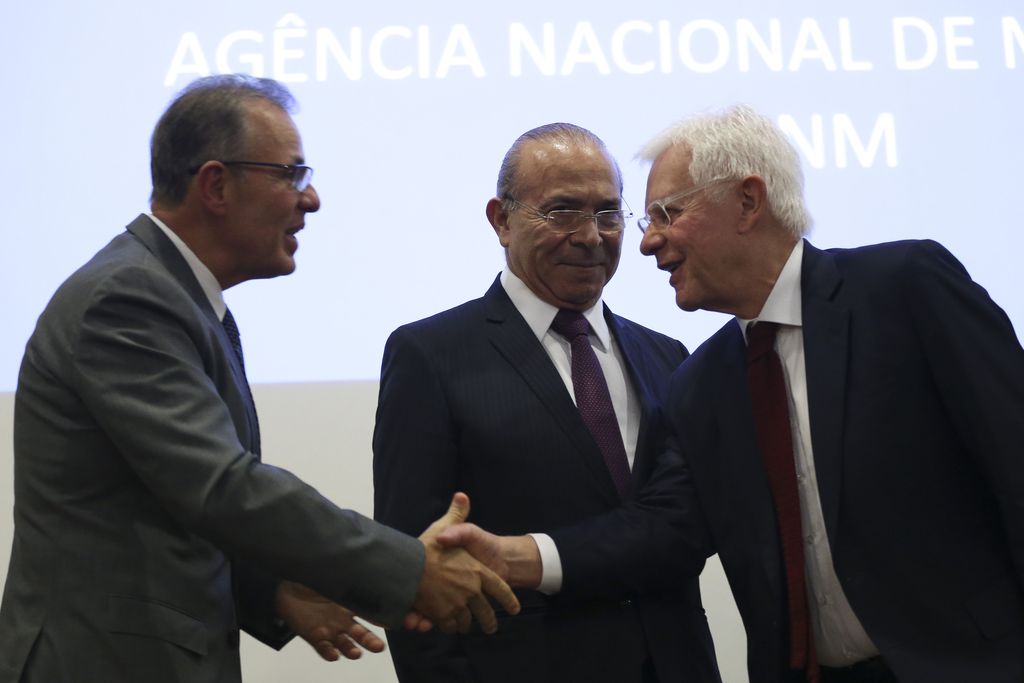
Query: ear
[
  {"x": 753, "y": 202},
  {"x": 497, "y": 215},
  {"x": 211, "y": 187}
]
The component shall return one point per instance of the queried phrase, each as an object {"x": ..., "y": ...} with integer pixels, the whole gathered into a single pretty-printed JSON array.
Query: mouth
[
  {"x": 669, "y": 266},
  {"x": 291, "y": 232}
]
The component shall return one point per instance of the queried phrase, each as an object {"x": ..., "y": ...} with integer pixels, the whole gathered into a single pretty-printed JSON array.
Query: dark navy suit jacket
[
  {"x": 470, "y": 401},
  {"x": 915, "y": 384}
]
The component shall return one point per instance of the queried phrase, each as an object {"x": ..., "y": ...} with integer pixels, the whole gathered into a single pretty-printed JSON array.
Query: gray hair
[
  {"x": 508, "y": 174},
  {"x": 736, "y": 143},
  {"x": 205, "y": 121}
]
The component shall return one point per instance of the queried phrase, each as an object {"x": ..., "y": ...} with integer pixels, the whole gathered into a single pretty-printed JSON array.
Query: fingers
[
  {"x": 483, "y": 613},
  {"x": 365, "y": 637},
  {"x": 326, "y": 650},
  {"x": 464, "y": 619},
  {"x": 458, "y": 510},
  {"x": 414, "y": 621},
  {"x": 349, "y": 649},
  {"x": 461, "y": 534},
  {"x": 499, "y": 590}
]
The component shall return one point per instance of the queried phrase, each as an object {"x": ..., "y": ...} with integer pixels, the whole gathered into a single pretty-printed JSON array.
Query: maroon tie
[
  {"x": 775, "y": 439},
  {"x": 592, "y": 397}
]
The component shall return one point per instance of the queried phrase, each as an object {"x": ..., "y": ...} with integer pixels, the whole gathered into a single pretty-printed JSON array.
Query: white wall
[{"x": 322, "y": 432}]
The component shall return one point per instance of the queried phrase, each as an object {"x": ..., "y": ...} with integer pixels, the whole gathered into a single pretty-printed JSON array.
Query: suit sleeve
[
  {"x": 415, "y": 473},
  {"x": 656, "y": 539},
  {"x": 139, "y": 364},
  {"x": 978, "y": 367},
  {"x": 650, "y": 544}
]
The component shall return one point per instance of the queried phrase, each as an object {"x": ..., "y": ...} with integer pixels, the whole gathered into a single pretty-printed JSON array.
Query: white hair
[{"x": 736, "y": 143}]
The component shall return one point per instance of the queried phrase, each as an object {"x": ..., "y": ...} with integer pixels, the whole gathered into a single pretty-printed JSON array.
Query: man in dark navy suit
[
  {"x": 888, "y": 543},
  {"x": 496, "y": 398}
]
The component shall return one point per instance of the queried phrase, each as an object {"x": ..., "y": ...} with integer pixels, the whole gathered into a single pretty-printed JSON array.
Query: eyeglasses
[
  {"x": 300, "y": 175},
  {"x": 659, "y": 215},
  {"x": 569, "y": 221}
]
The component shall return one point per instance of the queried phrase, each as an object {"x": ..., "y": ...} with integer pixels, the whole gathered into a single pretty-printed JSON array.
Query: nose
[
  {"x": 651, "y": 242},
  {"x": 587, "y": 234},
  {"x": 309, "y": 200}
]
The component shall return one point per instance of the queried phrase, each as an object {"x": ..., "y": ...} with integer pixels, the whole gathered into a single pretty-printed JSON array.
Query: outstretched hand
[
  {"x": 454, "y": 588},
  {"x": 515, "y": 559},
  {"x": 327, "y": 626}
]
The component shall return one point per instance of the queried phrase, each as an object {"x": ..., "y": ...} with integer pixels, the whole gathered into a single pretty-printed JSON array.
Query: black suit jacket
[
  {"x": 915, "y": 385},
  {"x": 470, "y": 401}
]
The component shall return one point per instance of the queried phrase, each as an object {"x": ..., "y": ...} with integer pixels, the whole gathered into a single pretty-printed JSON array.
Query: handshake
[{"x": 464, "y": 566}]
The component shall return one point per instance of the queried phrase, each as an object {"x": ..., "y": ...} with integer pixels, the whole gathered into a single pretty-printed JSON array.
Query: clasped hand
[{"x": 455, "y": 585}]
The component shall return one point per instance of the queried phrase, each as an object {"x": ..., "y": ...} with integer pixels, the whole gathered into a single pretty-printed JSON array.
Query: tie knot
[
  {"x": 760, "y": 339},
  {"x": 570, "y": 324}
]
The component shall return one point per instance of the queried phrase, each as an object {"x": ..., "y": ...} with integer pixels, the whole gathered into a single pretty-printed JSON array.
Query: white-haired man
[{"x": 853, "y": 435}]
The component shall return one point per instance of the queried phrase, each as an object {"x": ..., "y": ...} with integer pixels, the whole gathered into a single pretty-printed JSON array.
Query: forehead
[
  {"x": 550, "y": 169},
  {"x": 670, "y": 173},
  {"x": 271, "y": 131}
]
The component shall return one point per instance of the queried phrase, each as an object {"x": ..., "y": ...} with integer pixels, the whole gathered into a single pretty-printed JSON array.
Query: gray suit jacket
[{"x": 147, "y": 531}]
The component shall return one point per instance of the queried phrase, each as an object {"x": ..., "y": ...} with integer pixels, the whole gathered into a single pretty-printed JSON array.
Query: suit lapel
[
  {"x": 164, "y": 250},
  {"x": 514, "y": 339},
  {"x": 638, "y": 372},
  {"x": 147, "y": 232},
  {"x": 742, "y": 468},
  {"x": 826, "y": 349}
]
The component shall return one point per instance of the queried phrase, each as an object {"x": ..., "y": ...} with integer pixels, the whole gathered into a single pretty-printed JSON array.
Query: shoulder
[
  {"x": 885, "y": 275},
  {"x": 445, "y": 325},
  {"x": 647, "y": 339},
  {"x": 890, "y": 257},
  {"x": 701, "y": 372},
  {"x": 122, "y": 271}
]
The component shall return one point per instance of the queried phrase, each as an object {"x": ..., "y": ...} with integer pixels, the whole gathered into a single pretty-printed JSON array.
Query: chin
[{"x": 686, "y": 305}]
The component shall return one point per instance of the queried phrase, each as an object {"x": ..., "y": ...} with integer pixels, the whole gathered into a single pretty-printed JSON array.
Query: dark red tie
[
  {"x": 775, "y": 439},
  {"x": 592, "y": 397}
]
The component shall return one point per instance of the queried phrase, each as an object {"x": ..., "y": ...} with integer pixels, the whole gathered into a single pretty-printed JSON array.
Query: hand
[
  {"x": 327, "y": 626},
  {"x": 515, "y": 559},
  {"x": 454, "y": 586}
]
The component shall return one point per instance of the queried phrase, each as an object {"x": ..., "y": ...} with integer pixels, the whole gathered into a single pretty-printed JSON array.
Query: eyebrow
[{"x": 576, "y": 200}]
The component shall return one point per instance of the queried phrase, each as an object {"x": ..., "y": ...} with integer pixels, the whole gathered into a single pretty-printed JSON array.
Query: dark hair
[
  {"x": 508, "y": 174},
  {"x": 205, "y": 121}
]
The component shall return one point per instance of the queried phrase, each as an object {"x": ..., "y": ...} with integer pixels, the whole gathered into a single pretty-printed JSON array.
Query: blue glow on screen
[{"x": 908, "y": 120}]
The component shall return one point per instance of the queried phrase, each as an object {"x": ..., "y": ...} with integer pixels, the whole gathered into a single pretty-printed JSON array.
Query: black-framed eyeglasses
[
  {"x": 660, "y": 215},
  {"x": 569, "y": 221},
  {"x": 300, "y": 175}
]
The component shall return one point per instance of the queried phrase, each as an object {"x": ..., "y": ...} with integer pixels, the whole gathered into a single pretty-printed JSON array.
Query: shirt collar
[
  {"x": 784, "y": 302},
  {"x": 539, "y": 314},
  {"x": 211, "y": 288}
]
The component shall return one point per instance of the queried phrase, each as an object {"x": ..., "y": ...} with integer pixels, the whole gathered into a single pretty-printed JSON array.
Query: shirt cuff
[{"x": 550, "y": 564}]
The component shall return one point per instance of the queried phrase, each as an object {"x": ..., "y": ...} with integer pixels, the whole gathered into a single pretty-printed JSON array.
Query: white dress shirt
[
  {"x": 539, "y": 315},
  {"x": 839, "y": 638},
  {"x": 211, "y": 288}
]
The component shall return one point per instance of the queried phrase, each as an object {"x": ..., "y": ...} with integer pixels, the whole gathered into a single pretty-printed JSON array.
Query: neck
[
  {"x": 767, "y": 263},
  {"x": 199, "y": 235}
]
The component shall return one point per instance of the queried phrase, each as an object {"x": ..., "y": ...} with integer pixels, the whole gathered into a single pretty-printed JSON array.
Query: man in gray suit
[{"x": 147, "y": 530}]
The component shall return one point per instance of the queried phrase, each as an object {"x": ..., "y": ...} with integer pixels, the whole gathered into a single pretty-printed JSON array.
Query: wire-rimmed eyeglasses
[
  {"x": 569, "y": 221},
  {"x": 300, "y": 175},
  {"x": 659, "y": 215}
]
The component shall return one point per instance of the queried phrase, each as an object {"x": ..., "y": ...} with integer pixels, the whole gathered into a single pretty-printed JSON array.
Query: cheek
[{"x": 612, "y": 251}]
